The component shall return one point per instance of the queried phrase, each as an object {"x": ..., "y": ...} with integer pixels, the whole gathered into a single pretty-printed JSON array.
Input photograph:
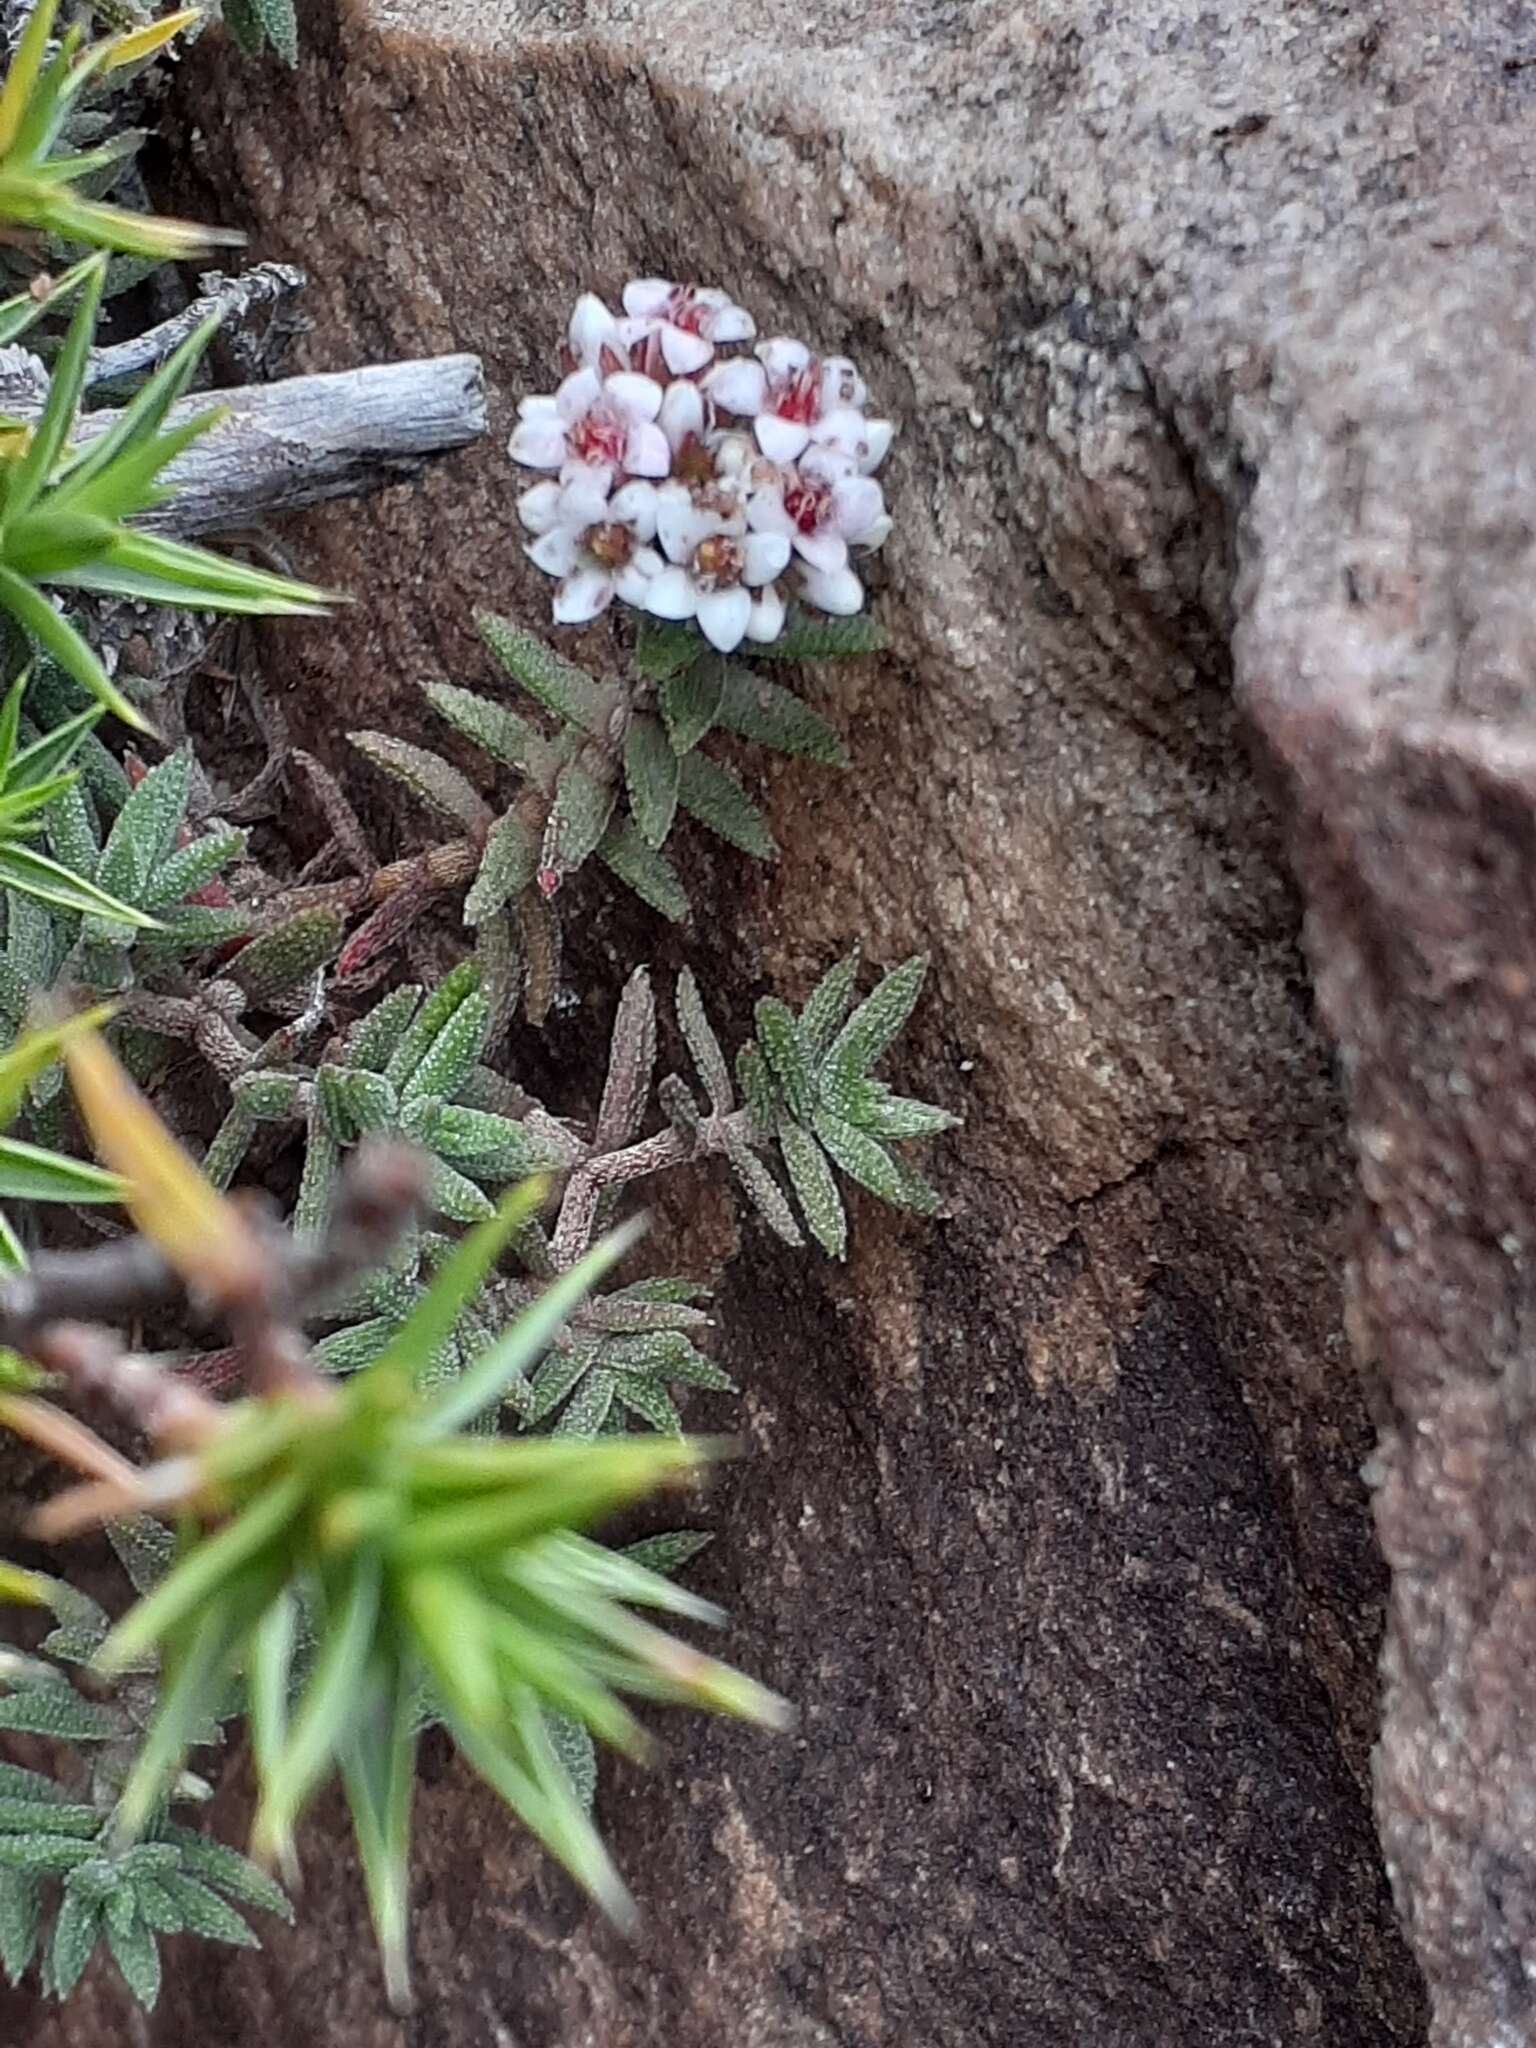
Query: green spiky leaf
[
  {"x": 866, "y": 1160},
  {"x": 260, "y": 25},
  {"x": 650, "y": 774},
  {"x": 507, "y": 867},
  {"x": 758, "y": 709},
  {"x": 414, "y": 1043},
  {"x": 450, "y": 1059},
  {"x": 690, "y": 699},
  {"x": 21, "y": 1914},
  {"x": 504, "y": 734},
  {"x": 374, "y": 1037},
  {"x": 436, "y": 781},
  {"x": 715, "y": 797},
  {"x": 569, "y": 692},
  {"x": 664, "y": 647},
  {"x": 288, "y": 954},
  {"x": 642, "y": 869},
  {"x": 582, "y": 808},
  {"x": 764, "y": 1192},
  {"x": 809, "y": 636},
  {"x": 778, "y": 1033},
  {"x": 58, "y": 1712},
  {"x": 815, "y": 1189}
]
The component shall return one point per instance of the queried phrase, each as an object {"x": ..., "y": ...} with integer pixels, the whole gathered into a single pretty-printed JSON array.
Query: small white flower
[
  {"x": 604, "y": 422},
  {"x": 651, "y": 496},
  {"x": 592, "y": 330},
  {"x": 599, "y": 546},
  {"x": 714, "y": 565},
  {"x": 797, "y": 401},
  {"x": 682, "y": 323},
  {"x": 820, "y": 518},
  {"x": 844, "y": 443}
]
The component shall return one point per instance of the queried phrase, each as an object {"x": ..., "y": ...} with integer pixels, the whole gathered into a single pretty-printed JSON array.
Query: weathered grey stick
[
  {"x": 307, "y": 438},
  {"x": 294, "y": 442}
]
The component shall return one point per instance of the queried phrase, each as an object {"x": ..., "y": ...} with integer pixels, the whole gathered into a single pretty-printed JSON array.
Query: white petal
[
  {"x": 592, "y": 327},
  {"x": 600, "y": 474},
  {"x": 578, "y": 394},
  {"x": 723, "y": 616},
  {"x": 780, "y": 440},
  {"x": 826, "y": 462},
  {"x": 540, "y": 406},
  {"x": 766, "y": 514},
  {"x": 538, "y": 444},
  {"x": 634, "y": 579},
  {"x": 637, "y": 397},
  {"x": 646, "y": 452},
  {"x": 670, "y": 595},
  {"x": 767, "y": 620},
  {"x": 782, "y": 356},
  {"x": 584, "y": 498},
  {"x": 877, "y": 444},
  {"x": 823, "y": 550},
  {"x": 739, "y": 385},
  {"x": 841, "y": 384},
  {"x": 582, "y": 597},
  {"x": 682, "y": 412},
  {"x": 539, "y": 507},
  {"x": 874, "y": 536},
  {"x": 635, "y": 507},
  {"x": 682, "y": 352},
  {"x": 767, "y": 556},
  {"x": 844, "y": 428},
  {"x": 857, "y": 502},
  {"x": 647, "y": 298},
  {"x": 556, "y": 552},
  {"x": 680, "y": 524},
  {"x": 731, "y": 323},
  {"x": 841, "y": 593}
]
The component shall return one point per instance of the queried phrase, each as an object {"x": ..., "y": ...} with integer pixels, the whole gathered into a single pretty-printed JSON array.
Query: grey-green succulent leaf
[
  {"x": 569, "y": 692},
  {"x": 641, "y": 868},
  {"x": 690, "y": 699},
  {"x": 715, "y": 797},
  {"x": 650, "y": 776},
  {"x": 507, "y": 867}
]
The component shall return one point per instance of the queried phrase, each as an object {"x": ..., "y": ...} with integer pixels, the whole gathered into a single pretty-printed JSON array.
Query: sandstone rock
[{"x": 1054, "y": 1525}]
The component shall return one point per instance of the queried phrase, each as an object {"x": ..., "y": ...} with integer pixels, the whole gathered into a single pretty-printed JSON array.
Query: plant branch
[
  {"x": 234, "y": 299},
  {"x": 593, "y": 1177}
]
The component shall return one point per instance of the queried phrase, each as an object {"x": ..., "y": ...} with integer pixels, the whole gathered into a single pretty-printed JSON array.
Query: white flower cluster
[{"x": 698, "y": 485}]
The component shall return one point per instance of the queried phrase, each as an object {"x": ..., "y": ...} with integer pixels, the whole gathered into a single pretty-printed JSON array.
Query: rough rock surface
[{"x": 1055, "y": 1527}]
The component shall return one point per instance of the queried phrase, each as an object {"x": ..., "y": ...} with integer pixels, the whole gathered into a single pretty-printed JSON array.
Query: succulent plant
[
  {"x": 410, "y": 1068},
  {"x": 67, "y": 1884}
]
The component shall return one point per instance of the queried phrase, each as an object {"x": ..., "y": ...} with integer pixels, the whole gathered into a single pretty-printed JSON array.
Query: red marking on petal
[
  {"x": 797, "y": 397},
  {"x": 808, "y": 503},
  {"x": 548, "y": 880},
  {"x": 599, "y": 437}
]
